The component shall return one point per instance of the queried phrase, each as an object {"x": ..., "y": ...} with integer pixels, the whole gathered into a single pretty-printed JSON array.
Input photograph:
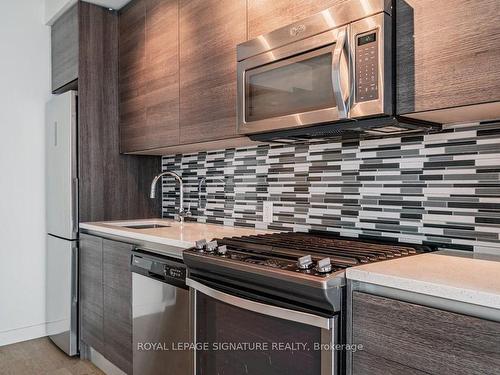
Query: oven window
[
  {"x": 219, "y": 324},
  {"x": 282, "y": 88}
]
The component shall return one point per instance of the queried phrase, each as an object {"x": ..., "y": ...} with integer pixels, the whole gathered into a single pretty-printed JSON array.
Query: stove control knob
[
  {"x": 211, "y": 246},
  {"x": 222, "y": 250},
  {"x": 305, "y": 262},
  {"x": 324, "y": 265},
  {"x": 200, "y": 244}
]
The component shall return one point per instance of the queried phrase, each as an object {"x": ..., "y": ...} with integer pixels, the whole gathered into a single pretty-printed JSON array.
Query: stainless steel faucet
[{"x": 181, "y": 214}]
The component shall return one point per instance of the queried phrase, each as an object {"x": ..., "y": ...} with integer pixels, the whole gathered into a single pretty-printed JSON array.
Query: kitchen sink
[{"x": 145, "y": 226}]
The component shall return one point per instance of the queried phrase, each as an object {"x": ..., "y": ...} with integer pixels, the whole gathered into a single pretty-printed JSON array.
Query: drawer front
[{"x": 427, "y": 339}]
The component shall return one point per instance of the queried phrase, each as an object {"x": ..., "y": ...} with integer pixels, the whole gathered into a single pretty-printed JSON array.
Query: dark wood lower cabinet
[
  {"x": 106, "y": 299},
  {"x": 91, "y": 292},
  {"x": 404, "y": 338},
  {"x": 369, "y": 364},
  {"x": 117, "y": 281}
]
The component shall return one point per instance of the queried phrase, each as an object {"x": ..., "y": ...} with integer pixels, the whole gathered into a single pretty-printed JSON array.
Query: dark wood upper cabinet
[
  {"x": 132, "y": 77},
  {"x": 162, "y": 74},
  {"x": 149, "y": 75},
  {"x": 268, "y": 15},
  {"x": 209, "y": 33},
  {"x": 64, "y": 52},
  {"x": 111, "y": 186},
  {"x": 447, "y": 54},
  {"x": 402, "y": 338}
]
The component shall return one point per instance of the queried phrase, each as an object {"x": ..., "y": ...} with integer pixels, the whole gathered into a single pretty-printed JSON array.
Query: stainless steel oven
[
  {"x": 240, "y": 335},
  {"x": 333, "y": 66},
  {"x": 275, "y": 303}
]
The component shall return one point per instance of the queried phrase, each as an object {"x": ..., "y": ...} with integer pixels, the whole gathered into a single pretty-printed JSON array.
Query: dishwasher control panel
[
  {"x": 157, "y": 266},
  {"x": 175, "y": 272}
]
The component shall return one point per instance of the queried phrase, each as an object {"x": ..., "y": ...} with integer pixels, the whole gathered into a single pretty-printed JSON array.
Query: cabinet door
[
  {"x": 117, "y": 281},
  {"x": 149, "y": 75},
  {"x": 427, "y": 340},
  {"x": 447, "y": 53},
  {"x": 209, "y": 33},
  {"x": 91, "y": 292},
  {"x": 64, "y": 49},
  {"x": 268, "y": 15},
  {"x": 132, "y": 77},
  {"x": 162, "y": 73}
]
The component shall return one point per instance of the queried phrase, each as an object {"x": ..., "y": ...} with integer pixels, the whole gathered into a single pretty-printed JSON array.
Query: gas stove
[{"x": 303, "y": 268}]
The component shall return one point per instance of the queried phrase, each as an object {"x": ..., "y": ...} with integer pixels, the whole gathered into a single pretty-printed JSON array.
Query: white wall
[
  {"x": 54, "y": 8},
  {"x": 24, "y": 90}
]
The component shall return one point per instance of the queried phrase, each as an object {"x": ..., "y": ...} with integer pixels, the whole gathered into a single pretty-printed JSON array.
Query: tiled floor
[{"x": 41, "y": 357}]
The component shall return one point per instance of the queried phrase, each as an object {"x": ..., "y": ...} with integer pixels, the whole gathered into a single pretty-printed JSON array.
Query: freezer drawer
[
  {"x": 61, "y": 179},
  {"x": 62, "y": 293}
]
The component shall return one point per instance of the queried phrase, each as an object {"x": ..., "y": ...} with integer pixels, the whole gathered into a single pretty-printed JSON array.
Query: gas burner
[
  {"x": 317, "y": 255},
  {"x": 305, "y": 267}
]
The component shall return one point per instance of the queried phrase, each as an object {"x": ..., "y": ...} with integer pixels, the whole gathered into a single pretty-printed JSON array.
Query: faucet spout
[{"x": 152, "y": 195}]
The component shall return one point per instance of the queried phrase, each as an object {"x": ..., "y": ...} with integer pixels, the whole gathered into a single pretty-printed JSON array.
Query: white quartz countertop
[
  {"x": 182, "y": 235},
  {"x": 456, "y": 275}
]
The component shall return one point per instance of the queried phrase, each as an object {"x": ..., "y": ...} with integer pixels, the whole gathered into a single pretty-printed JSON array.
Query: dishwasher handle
[
  {"x": 142, "y": 263},
  {"x": 158, "y": 267}
]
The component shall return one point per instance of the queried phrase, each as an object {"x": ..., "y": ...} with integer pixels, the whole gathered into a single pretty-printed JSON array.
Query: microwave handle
[
  {"x": 337, "y": 74},
  {"x": 261, "y": 308}
]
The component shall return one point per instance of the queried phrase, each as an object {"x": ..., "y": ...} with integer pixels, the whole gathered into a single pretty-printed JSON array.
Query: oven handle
[
  {"x": 261, "y": 308},
  {"x": 336, "y": 73}
]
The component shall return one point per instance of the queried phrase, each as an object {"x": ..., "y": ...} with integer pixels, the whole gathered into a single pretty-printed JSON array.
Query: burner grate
[{"x": 342, "y": 251}]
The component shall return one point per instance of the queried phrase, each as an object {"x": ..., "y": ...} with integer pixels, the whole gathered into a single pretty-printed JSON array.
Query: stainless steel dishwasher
[{"x": 160, "y": 312}]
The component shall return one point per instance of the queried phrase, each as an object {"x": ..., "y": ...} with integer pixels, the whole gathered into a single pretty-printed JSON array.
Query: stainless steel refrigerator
[{"x": 62, "y": 221}]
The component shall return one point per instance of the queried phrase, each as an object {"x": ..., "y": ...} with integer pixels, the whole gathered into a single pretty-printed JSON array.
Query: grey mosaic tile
[{"x": 440, "y": 188}]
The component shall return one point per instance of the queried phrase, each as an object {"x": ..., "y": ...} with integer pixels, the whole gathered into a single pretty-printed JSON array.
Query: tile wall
[{"x": 441, "y": 188}]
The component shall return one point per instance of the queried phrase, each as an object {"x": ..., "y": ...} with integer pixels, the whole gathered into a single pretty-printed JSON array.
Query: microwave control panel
[{"x": 367, "y": 67}]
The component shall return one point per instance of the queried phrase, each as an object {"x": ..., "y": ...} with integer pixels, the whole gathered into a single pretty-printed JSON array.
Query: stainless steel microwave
[{"x": 333, "y": 66}]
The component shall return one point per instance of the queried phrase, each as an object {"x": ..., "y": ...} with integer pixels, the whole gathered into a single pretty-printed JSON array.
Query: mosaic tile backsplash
[{"x": 439, "y": 188}]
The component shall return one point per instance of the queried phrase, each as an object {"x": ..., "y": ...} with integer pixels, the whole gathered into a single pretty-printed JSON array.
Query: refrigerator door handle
[
  {"x": 74, "y": 204},
  {"x": 74, "y": 274}
]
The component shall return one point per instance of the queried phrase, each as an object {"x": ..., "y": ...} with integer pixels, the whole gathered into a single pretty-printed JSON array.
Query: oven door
[
  {"x": 303, "y": 83},
  {"x": 238, "y": 336}
]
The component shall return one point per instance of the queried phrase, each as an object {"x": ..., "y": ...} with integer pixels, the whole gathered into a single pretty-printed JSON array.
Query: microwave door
[{"x": 289, "y": 87}]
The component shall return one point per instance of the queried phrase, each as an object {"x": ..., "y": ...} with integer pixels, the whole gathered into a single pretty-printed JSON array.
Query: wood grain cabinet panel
[
  {"x": 369, "y": 364},
  {"x": 447, "y": 53},
  {"x": 112, "y": 186},
  {"x": 209, "y": 33},
  {"x": 132, "y": 76},
  {"x": 427, "y": 340},
  {"x": 106, "y": 298},
  {"x": 162, "y": 74},
  {"x": 149, "y": 75},
  {"x": 268, "y": 15},
  {"x": 117, "y": 292},
  {"x": 91, "y": 292},
  {"x": 64, "y": 49}
]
